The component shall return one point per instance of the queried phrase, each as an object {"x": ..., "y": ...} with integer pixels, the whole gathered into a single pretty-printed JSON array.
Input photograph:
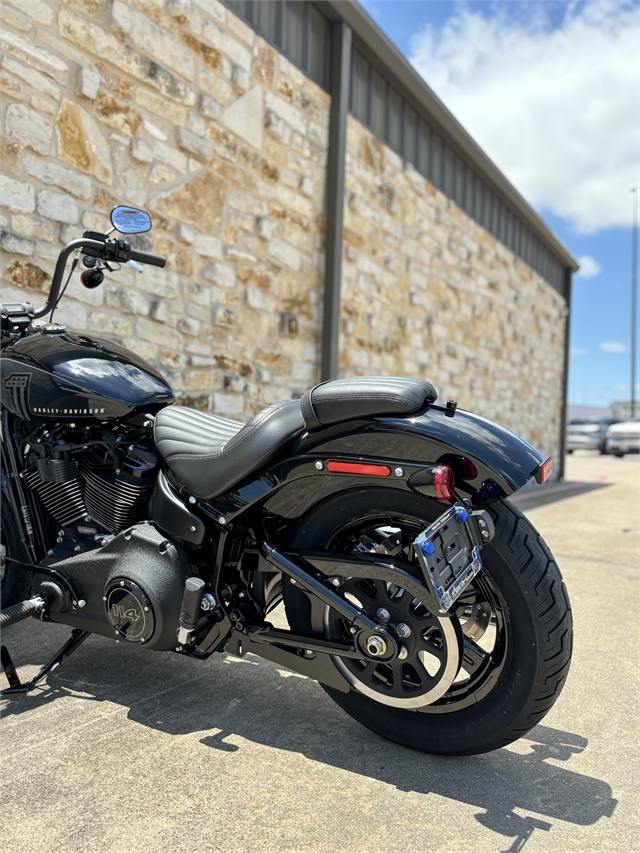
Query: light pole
[{"x": 634, "y": 287}]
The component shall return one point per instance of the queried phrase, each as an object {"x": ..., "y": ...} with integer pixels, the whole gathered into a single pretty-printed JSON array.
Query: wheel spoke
[{"x": 473, "y": 657}]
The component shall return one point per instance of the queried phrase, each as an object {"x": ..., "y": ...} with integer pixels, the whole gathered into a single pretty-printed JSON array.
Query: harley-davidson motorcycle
[{"x": 424, "y": 603}]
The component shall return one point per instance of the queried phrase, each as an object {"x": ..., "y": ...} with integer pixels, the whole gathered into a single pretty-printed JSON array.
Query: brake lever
[{"x": 135, "y": 265}]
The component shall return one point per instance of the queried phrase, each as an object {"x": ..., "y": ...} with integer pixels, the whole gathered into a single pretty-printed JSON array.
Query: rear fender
[{"x": 489, "y": 462}]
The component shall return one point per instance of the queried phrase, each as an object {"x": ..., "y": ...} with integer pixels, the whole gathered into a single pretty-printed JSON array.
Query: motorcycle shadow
[{"x": 234, "y": 700}]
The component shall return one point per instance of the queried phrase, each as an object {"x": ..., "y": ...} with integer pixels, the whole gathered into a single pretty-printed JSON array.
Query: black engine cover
[{"x": 132, "y": 587}]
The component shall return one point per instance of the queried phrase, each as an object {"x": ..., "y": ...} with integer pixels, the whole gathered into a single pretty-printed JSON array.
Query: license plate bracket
[{"x": 449, "y": 554}]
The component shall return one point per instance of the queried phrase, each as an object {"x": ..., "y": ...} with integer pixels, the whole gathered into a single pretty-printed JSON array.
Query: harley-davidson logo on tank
[{"x": 68, "y": 376}]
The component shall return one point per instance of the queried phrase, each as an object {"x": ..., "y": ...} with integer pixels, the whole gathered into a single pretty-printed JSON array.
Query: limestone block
[
  {"x": 179, "y": 9},
  {"x": 16, "y": 244},
  {"x": 192, "y": 144},
  {"x": 199, "y": 202},
  {"x": 215, "y": 86},
  {"x": 265, "y": 227},
  {"x": 221, "y": 274},
  {"x": 222, "y": 316},
  {"x": 30, "y": 227},
  {"x": 35, "y": 79},
  {"x": 234, "y": 253},
  {"x": 153, "y": 130},
  {"x": 28, "y": 128},
  {"x": 184, "y": 233},
  {"x": 50, "y": 172},
  {"x": 284, "y": 253},
  {"x": 121, "y": 17},
  {"x": 158, "y": 333},
  {"x": 208, "y": 106},
  {"x": 126, "y": 300},
  {"x": 160, "y": 310},
  {"x": 27, "y": 276},
  {"x": 37, "y": 9},
  {"x": 16, "y": 195},
  {"x": 306, "y": 185},
  {"x": 57, "y": 206},
  {"x": 213, "y": 9},
  {"x": 189, "y": 326},
  {"x": 196, "y": 124},
  {"x": 240, "y": 78},
  {"x": 276, "y": 127},
  {"x": 245, "y": 117},
  {"x": 229, "y": 405},
  {"x": 286, "y": 112},
  {"x": 109, "y": 323},
  {"x": 88, "y": 82},
  {"x": 143, "y": 150},
  {"x": 207, "y": 246},
  {"x": 81, "y": 143},
  {"x": 161, "y": 174},
  {"x": 228, "y": 45},
  {"x": 162, "y": 107},
  {"x": 23, "y": 49},
  {"x": 170, "y": 156}
]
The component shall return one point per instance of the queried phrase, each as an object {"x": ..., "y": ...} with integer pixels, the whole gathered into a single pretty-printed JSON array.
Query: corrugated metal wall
[{"x": 302, "y": 33}]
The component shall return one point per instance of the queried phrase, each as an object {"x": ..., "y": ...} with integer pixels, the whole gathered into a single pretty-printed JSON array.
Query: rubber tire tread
[{"x": 530, "y": 683}]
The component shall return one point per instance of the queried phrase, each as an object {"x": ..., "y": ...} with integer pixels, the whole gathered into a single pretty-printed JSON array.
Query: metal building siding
[
  {"x": 296, "y": 27},
  {"x": 303, "y": 34}
]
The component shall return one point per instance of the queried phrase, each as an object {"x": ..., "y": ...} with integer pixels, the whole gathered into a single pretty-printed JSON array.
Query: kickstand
[{"x": 16, "y": 686}]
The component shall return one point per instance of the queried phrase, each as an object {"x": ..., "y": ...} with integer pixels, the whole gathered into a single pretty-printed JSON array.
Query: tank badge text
[{"x": 40, "y": 410}]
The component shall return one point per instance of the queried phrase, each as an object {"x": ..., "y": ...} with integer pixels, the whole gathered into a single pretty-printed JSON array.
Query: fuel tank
[{"x": 59, "y": 375}]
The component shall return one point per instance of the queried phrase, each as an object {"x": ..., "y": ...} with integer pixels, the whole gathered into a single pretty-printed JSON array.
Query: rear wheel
[{"x": 466, "y": 684}]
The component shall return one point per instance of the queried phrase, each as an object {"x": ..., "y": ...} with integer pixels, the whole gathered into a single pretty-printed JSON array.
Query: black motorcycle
[{"x": 424, "y": 603}]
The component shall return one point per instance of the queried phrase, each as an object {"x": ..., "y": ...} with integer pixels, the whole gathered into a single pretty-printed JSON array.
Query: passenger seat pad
[{"x": 365, "y": 396}]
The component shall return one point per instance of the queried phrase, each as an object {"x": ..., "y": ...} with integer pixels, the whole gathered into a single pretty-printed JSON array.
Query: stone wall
[
  {"x": 427, "y": 292},
  {"x": 178, "y": 107}
]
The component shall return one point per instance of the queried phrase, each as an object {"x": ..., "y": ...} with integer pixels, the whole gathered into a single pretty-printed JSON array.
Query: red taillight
[
  {"x": 469, "y": 470},
  {"x": 359, "y": 468},
  {"x": 444, "y": 482},
  {"x": 545, "y": 470}
]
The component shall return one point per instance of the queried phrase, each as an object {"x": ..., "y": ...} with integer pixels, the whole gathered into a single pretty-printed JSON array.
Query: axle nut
[{"x": 376, "y": 646}]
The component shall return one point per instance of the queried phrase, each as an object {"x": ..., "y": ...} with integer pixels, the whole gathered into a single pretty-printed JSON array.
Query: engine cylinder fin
[
  {"x": 61, "y": 500},
  {"x": 111, "y": 501}
]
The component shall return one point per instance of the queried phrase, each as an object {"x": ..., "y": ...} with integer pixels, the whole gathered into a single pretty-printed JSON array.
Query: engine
[
  {"x": 90, "y": 481},
  {"x": 93, "y": 486}
]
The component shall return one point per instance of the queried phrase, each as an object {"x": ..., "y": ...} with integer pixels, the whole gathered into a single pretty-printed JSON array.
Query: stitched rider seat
[{"x": 210, "y": 454}]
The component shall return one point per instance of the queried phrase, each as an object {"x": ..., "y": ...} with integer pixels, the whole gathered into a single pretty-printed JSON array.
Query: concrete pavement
[{"x": 129, "y": 751}]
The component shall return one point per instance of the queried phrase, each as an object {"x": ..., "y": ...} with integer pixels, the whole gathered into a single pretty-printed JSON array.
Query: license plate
[{"x": 449, "y": 554}]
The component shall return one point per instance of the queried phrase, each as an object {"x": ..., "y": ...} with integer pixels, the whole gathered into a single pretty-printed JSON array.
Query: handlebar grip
[{"x": 146, "y": 258}]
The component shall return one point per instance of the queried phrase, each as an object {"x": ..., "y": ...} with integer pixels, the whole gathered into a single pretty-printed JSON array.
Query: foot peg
[
  {"x": 22, "y": 610},
  {"x": 190, "y": 610}
]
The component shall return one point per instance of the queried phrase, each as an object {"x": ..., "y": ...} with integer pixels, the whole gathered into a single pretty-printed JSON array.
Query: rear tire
[{"x": 536, "y": 619}]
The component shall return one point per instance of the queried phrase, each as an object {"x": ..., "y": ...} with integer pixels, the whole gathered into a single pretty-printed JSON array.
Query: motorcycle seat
[{"x": 209, "y": 454}]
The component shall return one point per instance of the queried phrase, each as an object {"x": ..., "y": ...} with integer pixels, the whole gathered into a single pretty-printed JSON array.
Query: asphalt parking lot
[{"x": 130, "y": 751}]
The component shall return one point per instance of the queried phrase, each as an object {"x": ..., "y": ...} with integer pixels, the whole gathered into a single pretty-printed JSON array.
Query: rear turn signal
[
  {"x": 359, "y": 468},
  {"x": 444, "y": 482},
  {"x": 544, "y": 470}
]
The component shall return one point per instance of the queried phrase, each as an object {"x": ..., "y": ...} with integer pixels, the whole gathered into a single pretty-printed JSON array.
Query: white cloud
[
  {"x": 613, "y": 347},
  {"x": 589, "y": 267},
  {"x": 579, "y": 352},
  {"x": 555, "y": 108}
]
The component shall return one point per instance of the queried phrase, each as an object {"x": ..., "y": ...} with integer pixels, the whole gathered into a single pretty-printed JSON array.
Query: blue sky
[{"x": 550, "y": 91}]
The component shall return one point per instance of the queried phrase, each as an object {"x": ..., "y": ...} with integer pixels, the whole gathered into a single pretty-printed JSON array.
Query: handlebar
[
  {"x": 109, "y": 250},
  {"x": 146, "y": 258}
]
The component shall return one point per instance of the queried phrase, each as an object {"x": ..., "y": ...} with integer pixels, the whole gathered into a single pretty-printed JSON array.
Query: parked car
[
  {"x": 624, "y": 437},
  {"x": 588, "y": 434}
]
